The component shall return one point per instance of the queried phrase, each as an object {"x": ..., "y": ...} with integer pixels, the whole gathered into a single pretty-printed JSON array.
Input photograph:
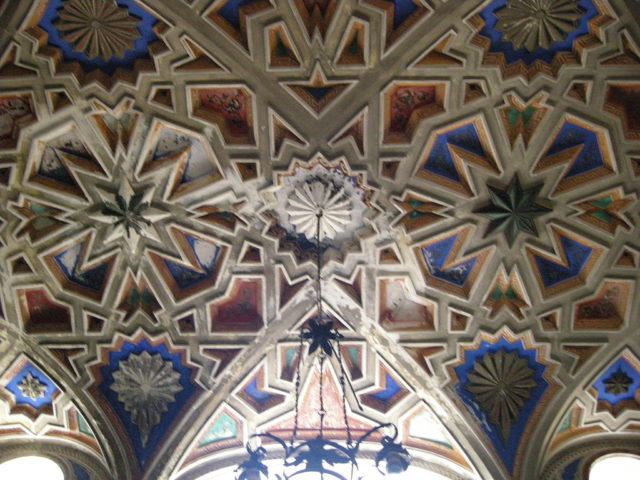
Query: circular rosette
[{"x": 328, "y": 189}]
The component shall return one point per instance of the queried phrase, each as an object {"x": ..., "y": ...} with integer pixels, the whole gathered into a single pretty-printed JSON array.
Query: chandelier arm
[
  {"x": 348, "y": 380},
  {"x": 374, "y": 430},
  {"x": 276, "y": 439},
  {"x": 343, "y": 376},
  {"x": 321, "y": 412},
  {"x": 297, "y": 386},
  {"x": 318, "y": 264},
  {"x": 349, "y": 451}
]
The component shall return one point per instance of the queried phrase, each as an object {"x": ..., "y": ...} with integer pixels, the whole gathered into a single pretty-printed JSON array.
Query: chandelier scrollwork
[{"x": 321, "y": 455}]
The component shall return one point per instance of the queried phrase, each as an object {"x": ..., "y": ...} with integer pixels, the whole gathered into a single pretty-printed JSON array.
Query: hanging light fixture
[{"x": 322, "y": 457}]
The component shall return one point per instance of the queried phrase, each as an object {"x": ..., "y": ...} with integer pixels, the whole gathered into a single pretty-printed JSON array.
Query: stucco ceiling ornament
[
  {"x": 128, "y": 214},
  {"x": 501, "y": 383},
  {"x": 97, "y": 28},
  {"x": 317, "y": 196},
  {"x": 513, "y": 210},
  {"x": 31, "y": 387},
  {"x": 618, "y": 383},
  {"x": 305, "y": 188},
  {"x": 526, "y": 38},
  {"x": 534, "y": 24},
  {"x": 146, "y": 385}
]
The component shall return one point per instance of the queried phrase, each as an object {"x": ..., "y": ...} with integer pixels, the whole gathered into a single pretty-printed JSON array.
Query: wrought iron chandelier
[{"x": 320, "y": 455}]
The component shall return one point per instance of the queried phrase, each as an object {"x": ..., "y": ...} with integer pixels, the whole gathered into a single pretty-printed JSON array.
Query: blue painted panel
[
  {"x": 230, "y": 11},
  {"x": 506, "y": 451},
  {"x": 590, "y": 156},
  {"x": 546, "y": 55},
  {"x": 186, "y": 277},
  {"x": 390, "y": 391},
  {"x": 254, "y": 392},
  {"x": 440, "y": 161},
  {"x": 467, "y": 138},
  {"x": 318, "y": 92},
  {"x": 141, "y": 45},
  {"x": 35, "y": 372},
  {"x": 207, "y": 255},
  {"x": 92, "y": 278},
  {"x": 571, "y": 470},
  {"x": 53, "y": 167},
  {"x": 435, "y": 256},
  {"x": 632, "y": 373},
  {"x": 79, "y": 472},
  {"x": 160, "y": 431},
  {"x": 553, "y": 273},
  {"x": 402, "y": 10}
]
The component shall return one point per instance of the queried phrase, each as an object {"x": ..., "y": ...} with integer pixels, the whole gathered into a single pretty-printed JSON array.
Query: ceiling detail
[
  {"x": 565, "y": 28},
  {"x": 161, "y": 168}
]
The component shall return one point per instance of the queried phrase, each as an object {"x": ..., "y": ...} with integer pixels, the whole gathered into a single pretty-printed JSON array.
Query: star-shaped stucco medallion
[
  {"x": 513, "y": 210},
  {"x": 618, "y": 383},
  {"x": 128, "y": 214}
]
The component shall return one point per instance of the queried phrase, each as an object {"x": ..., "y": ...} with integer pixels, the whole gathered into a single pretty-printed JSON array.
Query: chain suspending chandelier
[{"x": 320, "y": 455}]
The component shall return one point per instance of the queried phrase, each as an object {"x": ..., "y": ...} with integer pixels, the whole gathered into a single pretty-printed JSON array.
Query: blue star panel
[
  {"x": 436, "y": 255},
  {"x": 546, "y": 55},
  {"x": 627, "y": 369},
  {"x": 46, "y": 399},
  {"x": 207, "y": 255},
  {"x": 141, "y": 45},
  {"x": 161, "y": 430},
  {"x": 553, "y": 273},
  {"x": 507, "y": 451},
  {"x": 69, "y": 263}
]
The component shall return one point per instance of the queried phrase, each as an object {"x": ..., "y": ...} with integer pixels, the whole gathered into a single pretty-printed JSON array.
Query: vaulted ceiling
[{"x": 159, "y": 164}]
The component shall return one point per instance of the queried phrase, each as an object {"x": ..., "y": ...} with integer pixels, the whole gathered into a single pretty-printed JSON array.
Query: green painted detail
[
  {"x": 497, "y": 294},
  {"x": 354, "y": 355},
  {"x": 225, "y": 428},
  {"x": 602, "y": 204},
  {"x": 511, "y": 294},
  {"x": 513, "y": 114},
  {"x": 415, "y": 204},
  {"x": 40, "y": 223},
  {"x": 281, "y": 49},
  {"x": 134, "y": 297},
  {"x": 527, "y": 114},
  {"x": 603, "y": 215},
  {"x": 148, "y": 298},
  {"x": 566, "y": 422},
  {"x": 83, "y": 426},
  {"x": 290, "y": 355},
  {"x": 354, "y": 46},
  {"x": 39, "y": 209}
]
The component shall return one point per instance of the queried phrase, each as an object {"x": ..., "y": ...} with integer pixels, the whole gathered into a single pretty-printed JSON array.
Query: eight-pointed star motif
[
  {"x": 513, "y": 210},
  {"x": 129, "y": 215},
  {"x": 31, "y": 387},
  {"x": 533, "y": 24},
  {"x": 618, "y": 383}
]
